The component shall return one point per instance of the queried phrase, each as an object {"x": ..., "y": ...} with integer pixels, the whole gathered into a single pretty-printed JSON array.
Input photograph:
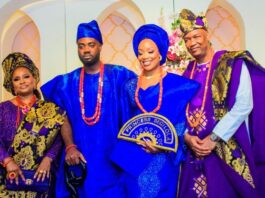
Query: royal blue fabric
[
  {"x": 157, "y": 35},
  {"x": 90, "y": 30},
  {"x": 95, "y": 142},
  {"x": 154, "y": 175}
]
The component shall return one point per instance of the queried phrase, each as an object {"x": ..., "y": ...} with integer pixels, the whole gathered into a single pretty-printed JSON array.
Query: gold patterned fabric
[
  {"x": 13, "y": 61},
  {"x": 34, "y": 137},
  {"x": 237, "y": 162},
  {"x": 36, "y": 133},
  {"x": 222, "y": 77},
  {"x": 220, "y": 85},
  {"x": 189, "y": 21},
  {"x": 231, "y": 151}
]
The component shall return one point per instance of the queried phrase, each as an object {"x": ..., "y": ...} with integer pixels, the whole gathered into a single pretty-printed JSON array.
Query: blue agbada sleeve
[
  {"x": 190, "y": 89},
  {"x": 51, "y": 90},
  {"x": 127, "y": 107},
  {"x": 123, "y": 76},
  {"x": 63, "y": 90}
]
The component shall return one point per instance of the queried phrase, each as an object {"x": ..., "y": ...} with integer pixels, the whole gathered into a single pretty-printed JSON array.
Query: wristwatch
[{"x": 214, "y": 137}]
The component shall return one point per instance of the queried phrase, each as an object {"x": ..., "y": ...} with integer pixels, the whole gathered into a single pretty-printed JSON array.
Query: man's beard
[{"x": 92, "y": 62}]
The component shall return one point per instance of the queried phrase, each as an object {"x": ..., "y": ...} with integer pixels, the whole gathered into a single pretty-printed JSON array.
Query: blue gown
[
  {"x": 154, "y": 175},
  {"x": 95, "y": 142}
]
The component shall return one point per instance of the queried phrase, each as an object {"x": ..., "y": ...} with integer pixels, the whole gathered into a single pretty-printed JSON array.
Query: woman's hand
[
  {"x": 43, "y": 169},
  {"x": 148, "y": 147},
  {"x": 13, "y": 169}
]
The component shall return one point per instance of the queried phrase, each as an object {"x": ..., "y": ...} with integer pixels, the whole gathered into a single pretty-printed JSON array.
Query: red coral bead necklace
[{"x": 95, "y": 118}]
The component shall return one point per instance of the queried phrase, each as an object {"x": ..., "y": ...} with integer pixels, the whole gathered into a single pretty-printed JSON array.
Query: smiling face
[
  {"x": 197, "y": 43},
  {"x": 89, "y": 51},
  {"x": 23, "y": 82},
  {"x": 149, "y": 56}
]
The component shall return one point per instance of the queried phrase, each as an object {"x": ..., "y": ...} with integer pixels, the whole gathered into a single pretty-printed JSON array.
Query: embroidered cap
[{"x": 189, "y": 21}]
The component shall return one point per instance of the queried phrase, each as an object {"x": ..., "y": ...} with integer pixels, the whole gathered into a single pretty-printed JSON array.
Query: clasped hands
[{"x": 200, "y": 148}]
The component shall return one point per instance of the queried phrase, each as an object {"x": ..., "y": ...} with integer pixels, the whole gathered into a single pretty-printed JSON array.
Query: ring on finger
[
  {"x": 12, "y": 175},
  {"x": 44, "y": 172}
]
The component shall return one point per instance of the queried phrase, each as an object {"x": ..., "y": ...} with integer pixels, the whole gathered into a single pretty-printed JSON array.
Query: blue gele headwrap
[
  {"x": 156, "y": 34},
  {"x": 90, "y": 30}
]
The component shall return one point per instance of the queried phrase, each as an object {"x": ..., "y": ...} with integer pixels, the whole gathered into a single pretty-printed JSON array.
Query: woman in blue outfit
[{"x": 148, "y": 170}]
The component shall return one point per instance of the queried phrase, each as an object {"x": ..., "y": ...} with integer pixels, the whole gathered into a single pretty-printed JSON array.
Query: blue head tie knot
[
  {"x": 156, "y": 34},
  {"x": 90, "y": 30}
]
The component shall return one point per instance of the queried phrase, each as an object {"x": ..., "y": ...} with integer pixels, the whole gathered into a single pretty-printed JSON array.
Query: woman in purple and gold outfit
[{"x": 29, "y": 129}]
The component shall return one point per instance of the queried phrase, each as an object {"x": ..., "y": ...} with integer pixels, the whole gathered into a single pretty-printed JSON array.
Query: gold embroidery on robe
[
  {"x": 200, "y": 186},
  {"x": 222, "y": 77},
  {"x": 238, "y": 163},
  {"x": 220, "y": 86},
  {"x": 194, "y": 116}
]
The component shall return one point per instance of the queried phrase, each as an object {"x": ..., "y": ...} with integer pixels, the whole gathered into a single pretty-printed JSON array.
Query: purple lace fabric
[{"x": 8, "y": 115}]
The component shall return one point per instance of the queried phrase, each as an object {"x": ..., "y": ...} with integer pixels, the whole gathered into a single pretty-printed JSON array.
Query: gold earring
[{"x": 160, "y": 57}]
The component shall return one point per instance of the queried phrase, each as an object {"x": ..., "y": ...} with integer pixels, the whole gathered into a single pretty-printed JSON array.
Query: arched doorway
[
  {"x": 20, "y": 34},
  {"x": 226, "y": 27}
]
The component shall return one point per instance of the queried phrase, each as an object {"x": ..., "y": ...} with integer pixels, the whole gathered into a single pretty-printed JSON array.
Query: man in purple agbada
[{"x": 225, "y": 155}]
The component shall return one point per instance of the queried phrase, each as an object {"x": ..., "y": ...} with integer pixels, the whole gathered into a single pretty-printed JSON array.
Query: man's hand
[
  {"x": 208, "y": 143},
  {"x": 73, "y": 157},
  {"x": 196, "y": 145}
]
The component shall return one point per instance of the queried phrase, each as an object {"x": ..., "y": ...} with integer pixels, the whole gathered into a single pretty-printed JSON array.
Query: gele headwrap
[
  {"x": 13, "y": 61},
  {"x": 156, "y": 34}
]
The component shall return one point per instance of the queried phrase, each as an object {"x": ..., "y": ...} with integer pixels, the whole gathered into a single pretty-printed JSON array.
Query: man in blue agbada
[
  {"x": 90, "y": 95},
  {"x": 148, "y": 170}
]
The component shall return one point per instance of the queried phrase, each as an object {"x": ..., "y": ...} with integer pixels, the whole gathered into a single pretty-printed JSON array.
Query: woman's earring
[{"x": 160, "y": 57}]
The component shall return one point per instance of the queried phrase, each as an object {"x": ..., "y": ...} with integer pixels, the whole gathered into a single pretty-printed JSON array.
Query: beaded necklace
[
  {"x": 24, "y": 107},
  {"x": 195, "y": 121},
  {"x": 95, "y": 118},
  {"x": 159, "y": 97}
]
